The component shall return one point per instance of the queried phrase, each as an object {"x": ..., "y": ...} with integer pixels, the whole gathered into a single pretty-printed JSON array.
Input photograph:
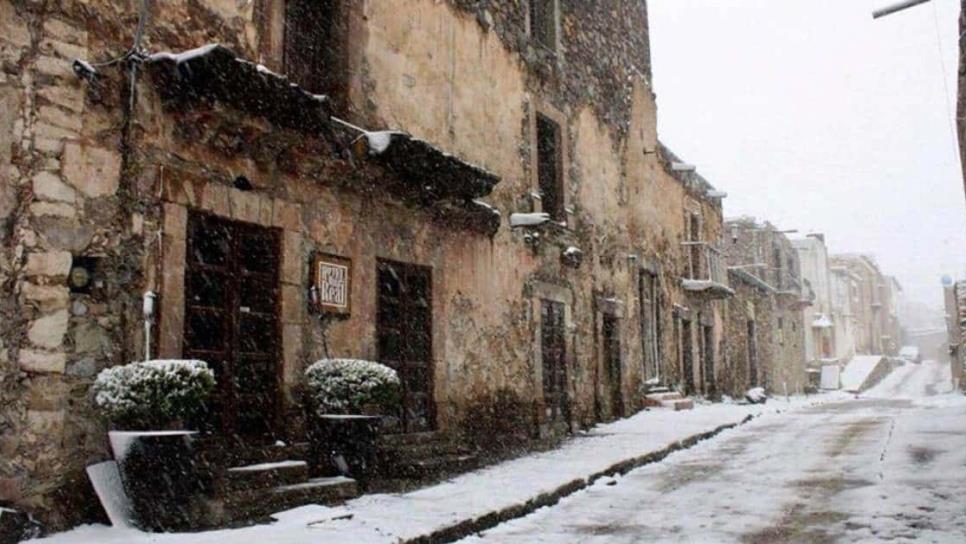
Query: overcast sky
[{"x": 815, "y": 117}]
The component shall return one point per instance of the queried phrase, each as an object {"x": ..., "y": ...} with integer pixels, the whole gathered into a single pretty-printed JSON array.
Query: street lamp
[{"x": 888, "y": 10}]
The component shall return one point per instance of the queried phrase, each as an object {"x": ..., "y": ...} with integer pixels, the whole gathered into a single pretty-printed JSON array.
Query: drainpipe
[{"x": 148, "y": 310}]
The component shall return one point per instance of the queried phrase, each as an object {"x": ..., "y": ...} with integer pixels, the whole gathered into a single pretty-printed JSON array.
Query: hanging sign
[{"x": 331, "y": 284}]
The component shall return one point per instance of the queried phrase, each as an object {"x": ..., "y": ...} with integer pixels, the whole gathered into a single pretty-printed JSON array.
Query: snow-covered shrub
[
  {"x": 152, "y": 394},
  {"x": 345, "y": 386}
]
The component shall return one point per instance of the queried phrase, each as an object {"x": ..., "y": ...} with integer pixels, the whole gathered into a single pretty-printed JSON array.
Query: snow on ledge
[
  {"x": 704, "y": 285},
  {"x": 528, "y": 219}
]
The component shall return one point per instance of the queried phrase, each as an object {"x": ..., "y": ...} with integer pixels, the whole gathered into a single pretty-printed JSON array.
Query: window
[
  {"x": 694, "y": 248},
  {"x": 312, "y": 54},
  {"x": 543, "y": 22},
  {"x": 549, "y": 168}
]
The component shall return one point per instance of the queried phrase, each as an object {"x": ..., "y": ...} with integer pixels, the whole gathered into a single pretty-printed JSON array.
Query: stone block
[
  {"x": 47, "y": 131},
  {"x": 59, "y": 209},
  {"x": 65, "y": 233},
  {"x": 214, "y": 198},
  {"x": 94, "y": 171},
  {"x": 292, "y": 259},
  {"x": 54, "y": 67},
  {"x": 62, "y": 30},
  {"x": 48, "y": 298},
  {"x": 53, "y": 146},
  {"x": 292, "y": 353},
  {"x": 42, "y": 362},
  {"x": 53, "y": 263},
  {"x": 244, "y": 205},
  {"x": 48, "y": 331},
  {"x": 175, "y": 220},
  {"x": 48, "y": 186},
  {"x": 90, "y": 338},
  {"x": 60, "y": 118},
  {"x": 67, "y": 51},
  {"x": 44, "y": 422},
  {"x": 13, "y": 28},
  {"x": 287, "y": 215},
  {"x": 65, "y": 96},
  {"x": 292, "y": 303}
]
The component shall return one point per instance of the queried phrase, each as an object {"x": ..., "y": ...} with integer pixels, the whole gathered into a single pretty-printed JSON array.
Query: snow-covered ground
[
  {"x": 888, "y": 466},
  {"x": 395, "y": 517}
]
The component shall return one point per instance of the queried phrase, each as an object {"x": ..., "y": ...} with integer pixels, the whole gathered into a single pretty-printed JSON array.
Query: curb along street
[{"x": 469, "y": 527}]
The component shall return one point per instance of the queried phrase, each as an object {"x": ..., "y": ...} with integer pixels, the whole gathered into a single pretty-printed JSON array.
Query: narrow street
[{"x": 889, "y": 466}]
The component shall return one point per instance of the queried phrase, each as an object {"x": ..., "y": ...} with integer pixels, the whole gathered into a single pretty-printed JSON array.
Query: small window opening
[
  {"x": 543, "y": 22},
  {"x": 314, "y": 45},
  {"x": 549, "y": 168}
]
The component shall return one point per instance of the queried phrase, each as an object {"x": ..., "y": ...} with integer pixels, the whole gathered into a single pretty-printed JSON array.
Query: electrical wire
[{"x": 950, "y": 116}]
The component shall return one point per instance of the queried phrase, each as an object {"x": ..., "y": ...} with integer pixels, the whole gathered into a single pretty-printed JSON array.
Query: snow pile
[
  {"x": 152, "y": 393},
  {"x": 528, "y": 219},
  {"x": 340, "y": 386},
  {"x": 858, "y": 370},
  {"x": 756, "y": 395}
]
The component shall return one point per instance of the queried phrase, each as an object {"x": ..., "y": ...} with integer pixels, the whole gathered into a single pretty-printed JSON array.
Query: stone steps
[
  {"x": 668, "y": 399},
  {"x": 251, "y": 482},
  {"x": 419, "y": 458}
]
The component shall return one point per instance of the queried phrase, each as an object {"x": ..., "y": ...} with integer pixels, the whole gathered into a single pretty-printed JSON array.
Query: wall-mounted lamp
[{"x": 148, "y": 303}]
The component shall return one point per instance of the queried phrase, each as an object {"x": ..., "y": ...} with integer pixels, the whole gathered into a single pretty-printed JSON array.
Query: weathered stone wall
[
  {"x": 753, "y": 248},
  {"x": 86, "y": 178}
]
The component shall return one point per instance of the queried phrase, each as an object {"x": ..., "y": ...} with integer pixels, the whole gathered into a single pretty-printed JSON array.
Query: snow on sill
[
  {"x": 268, "y": 466},
  {"x": 528, "y": 219},
  {"x": 704, "y": 285},
  {"x": 379, "y": 141}
]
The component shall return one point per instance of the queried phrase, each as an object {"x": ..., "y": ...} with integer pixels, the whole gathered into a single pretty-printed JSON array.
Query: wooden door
[
  {"x": 553, "y": 354},
  {"x": 612, "y": 360},
  {"x": 687, "y": 359},
  {"x": 649, "y": 316},
  {"x": 707, "y": 359},
  {"x": 752, "y": 353},
  {"x": 231, "y": 319},
  {"x": 405, "y": 339}
]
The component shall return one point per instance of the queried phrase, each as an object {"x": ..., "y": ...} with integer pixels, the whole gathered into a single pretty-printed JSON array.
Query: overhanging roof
[{"x": 214, "y": 72}]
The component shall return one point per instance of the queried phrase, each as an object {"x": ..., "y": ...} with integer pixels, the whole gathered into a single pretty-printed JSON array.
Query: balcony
[
  {"x": 706, "y": 274},
  {"x": 789, "y": 288}
]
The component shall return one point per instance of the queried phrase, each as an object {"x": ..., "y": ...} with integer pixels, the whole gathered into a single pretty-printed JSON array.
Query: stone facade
[
  {"x": 768, "y": 304},
  {"x": 95, "y": 175},
  {"x": 874, "y": 303}
]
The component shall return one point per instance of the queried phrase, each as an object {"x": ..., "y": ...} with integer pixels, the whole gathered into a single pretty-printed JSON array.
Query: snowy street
[{"x": 889, "y": 466}]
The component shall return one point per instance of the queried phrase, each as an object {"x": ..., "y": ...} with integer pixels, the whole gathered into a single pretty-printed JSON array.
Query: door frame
[
  {"x": 431, "y": 361},
  {"x": 226, "y": 421}
]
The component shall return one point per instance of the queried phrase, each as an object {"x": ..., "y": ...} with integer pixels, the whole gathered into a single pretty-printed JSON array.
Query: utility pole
[{"x": 888, "y": 10}]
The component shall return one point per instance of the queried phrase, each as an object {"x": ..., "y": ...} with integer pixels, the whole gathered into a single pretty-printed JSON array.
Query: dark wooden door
[
  {"x": 752, "y": 353},
  {"x": 649, "y": 316},
  {"x": 231, "y": 319},
  {"x": 554, "y": 354},
  {"x": 687, "y": 359},
  {"x": 707, "y": 359},
  {"x": 612, "y": 360},
  {"x": 404, "y": 330}
]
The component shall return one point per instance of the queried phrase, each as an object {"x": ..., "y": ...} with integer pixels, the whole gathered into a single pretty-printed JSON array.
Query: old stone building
[
  {"x": 874, "y": 304},
  {"x": 385, "y": 150},
  {"x": 765, "y": 319}
]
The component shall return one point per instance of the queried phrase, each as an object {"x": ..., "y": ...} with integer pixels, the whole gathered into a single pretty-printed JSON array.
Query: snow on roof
[
  {"x": 700, "y": 286},
  {"x": 184, "y": 56}
]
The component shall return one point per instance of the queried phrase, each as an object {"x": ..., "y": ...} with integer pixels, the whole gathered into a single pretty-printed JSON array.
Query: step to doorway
[{"x": 671, "y": 400}]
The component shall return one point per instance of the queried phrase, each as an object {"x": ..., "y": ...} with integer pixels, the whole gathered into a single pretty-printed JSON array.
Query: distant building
[
  {"x": 954, "y": 297},
  {"x": 873, "y": 305},
  {"x": 766, "y": 327},
  {"x": 820, "y": 338}
]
